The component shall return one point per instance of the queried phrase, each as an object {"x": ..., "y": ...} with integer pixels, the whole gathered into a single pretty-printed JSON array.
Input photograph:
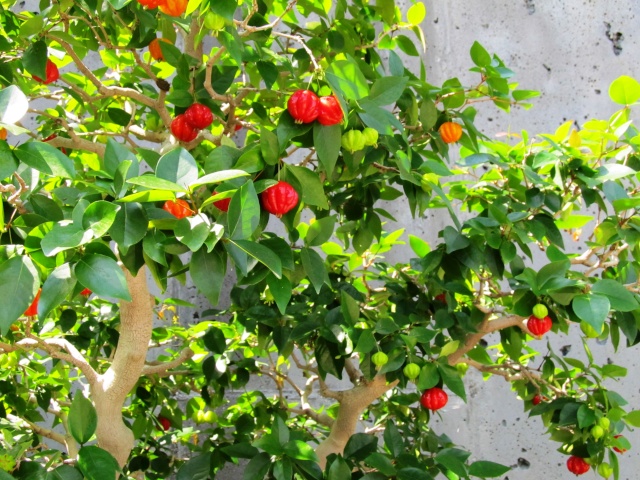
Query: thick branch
[{"x": 352, "y": 403}]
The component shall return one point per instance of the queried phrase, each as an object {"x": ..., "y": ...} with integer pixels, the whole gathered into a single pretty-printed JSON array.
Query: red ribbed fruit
[
  {"x": 279, "y": 199},
  {"x": 539, "y": 326},
  {"x": 33, "y": 308},
  {"x": 199, "y": 115},
  {"x": 179, "y": 209},
  {"x": 182, "y": 129},
  {"x": 577, "y": 465},
  {"x": 52, "y": 73},
  {"x": 222, "y": 204},
  {"x": 434, "y": 399},
  {"x": 329, "y": 111},
  {"x": 303, "y": 106}
]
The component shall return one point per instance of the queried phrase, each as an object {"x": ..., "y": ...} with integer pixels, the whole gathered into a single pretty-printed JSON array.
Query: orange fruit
[
  {"x": 175, "y": 8},
  {"x": 3, "y": 133},
  {"x": 450, "y": 132},
  {"x": 155, "y": 50}
]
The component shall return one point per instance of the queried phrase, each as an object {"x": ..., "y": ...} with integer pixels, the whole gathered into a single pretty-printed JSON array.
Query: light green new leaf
[
  {"x": 624, "y": 90},
  {"x": 416, "y": 13},
  {"x": 345, "y": 77},
  {"x": 103, "y": 276},
  {"x": 155, "y": 183},
  {"x": 218, "y": 177},
  {"x": 83, "y": 418}
]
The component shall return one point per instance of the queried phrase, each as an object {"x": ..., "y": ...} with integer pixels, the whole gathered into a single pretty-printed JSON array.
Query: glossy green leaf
[
  {"x": 57, "y": 287},
  {"x": 479, "y": 55},
  {"x": 262, "y": 254},
  {"x": 21, "y": 289},
  {"x": 99, "y": 216},
  {"x": 218, "y": 177},
  {"x": 13, "y": 104},
  {"x": 196, "y": 468},
  {"x": 103, "y": 276},
  {"x": 83, "y": 418},
  {"x": 116, "y": 153},
  {"x": 63, "y": 237},
  {"x": 244, "y": 212},
  {"x": 192, "y": 231},
  {"x": 46, "y": 159},
  {"x": 620, "y": 298},
  {"x": 484, "y": 469},
  {"x": 320, "y": 231},
  {"x": 97, "y": 464},
  {"x": 178, "y": 166},
  {"x": 416, "y": 13},
  {"x": 207, "y": 271},
  {"x": 314, "y": 267},
  {"x": 339, "y": 470},
  {"x": 269, "y": 147},
  {"x": 281, "y": 290},
  {"x": 345, "y": 77},
  {"x": 326, "y": 140},
  {"x": 387, "y": 90},
  {"x": 593, "y": 309},
  {"x": 155, "y": 183},
  {"x": 311, "y": 192},
  {"x": 624, "y": 90},
  {"x": 453, "y": 459},
  {"x": 130, "y": 225},
  {"x": 34, "y": 59}
]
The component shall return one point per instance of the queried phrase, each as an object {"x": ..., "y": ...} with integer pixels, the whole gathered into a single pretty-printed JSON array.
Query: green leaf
[
  {"x": 484, "y": 469},
  {"x": 360, "y": 446},
  {"x": 63, "y": 237},
  {"x": 387, "y": 90},
  {"x": 379, "y": 118},
  {"x": 97, "y": 464},
  {"x": 326, "y": 140},
  {"x": 320, "y": 231},
  {"x": 8, "y": 162},
  {"x": 345, "y": 77},
  {"x": 407, "y": 45},
  {"x": 593, "y": 309},
  {"x": 103, "y": 276},
  {"x": 149, "y": 181},
  {"x": 429, "y": 376},
  {"x": 428, "y": 114},
  {"x": 453, "y": 459},
  {"x": 311, "y": 192},
  {"x": 57, "y": 287},
  {"x": 83, "y": 418},
  {"x": 261, "y": 253},
  {"x": 283, "y": 469},
  {"x": 339, "y": 470},
  {"x": 99, "y": 216},
  {"x": 416, "y": 13},
  {"x": 207, "y": 270},
  {"x": 244, "y": 212},
  {"x": 413, "y": 473},
  {"x": 269, "y": 147},
  {"x": 393, "y": 439},
  {"x": 192, "y": 231},
  {"x": 197, "y": 468},
  {"x": 130, "y": 226},
  {"x": 620, "y": 298},
  {"x": 257, "y": 467},
  {"x": 451, "y": 379},
  {"x": 633, "y": 418},
  {"x": 63, "y": 472},
  {"x": 178, "y": 166},
  {"x": 419, "y": 246},
  {"x": 34, "y": 59},
  {"x": 46, "y": 159},
  {"x": 624, "y": 90},
  {"x": 454, "y": 240},
  {"x": 21, "y": 289},
  {"x": 281, "y": 290},
  {"x": 218, "y": 177},
  {"x": 313, "y": 267},
  {"x": 13, "y": 105},
  {"x": 586, "y": 417},
  {"x": 115, "y": 154},
  {"x": 479, "y": 55},
  {"x": 269, "y": 73}
]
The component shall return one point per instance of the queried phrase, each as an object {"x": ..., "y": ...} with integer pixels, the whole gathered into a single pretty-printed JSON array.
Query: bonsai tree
[{"x": 249, "y": 150}]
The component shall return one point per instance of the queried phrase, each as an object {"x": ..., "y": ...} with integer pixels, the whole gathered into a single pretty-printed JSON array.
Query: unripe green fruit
[
  {"x": 597, "y": 432},
  {"x": 589, "y": 331},
  {"x": 462, "y": 367},
  {"x": 540, "y": 311},
  {"x": 605, "y": 470},
  {"x": 370, "y": 136},
  {"x": 379, "y": 359},
  {"x": 213, "y": 21},
  {"x": 605, "y": 423},
  {"x": 352, "y": 140},
  {"x": 209, "y": 416},
  {"x": 411, "y": 371}
]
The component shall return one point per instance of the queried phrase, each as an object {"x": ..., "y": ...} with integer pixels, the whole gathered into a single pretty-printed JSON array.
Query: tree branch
[{"x": 162, "y": 368}]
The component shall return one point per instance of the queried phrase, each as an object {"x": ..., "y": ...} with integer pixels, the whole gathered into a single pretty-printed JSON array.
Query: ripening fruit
[
  {"x": 450, "y": 132},
  {"x": 222, "y": 204},
  {"x": 214, "y": 21},
  {"x": 303, "y": 106},
  {"x": 379, "y": 359},
  {"x": 411, "y": 371},
  {"x": 537, "y": 399},
  {"x": 179, "y": 209},
  {"x": 155, "y": 50},
  {"x": 279, "y": 199},
  {"x": 173, "y": 8},
  {"x": 33, "y": 308},
  {"x": 539, "y": 326},
  {"x": 540, "y": 311},
  {"x": 329, "y": 111},
  {"x": 199, "y": 116},
  {"x": 3, "y": 133},
  {"x": 434, "y": 399},
  {"x": 86, "y": 292},
  {"x": 182, "y": 129},
  {"x": 577, "y": 465},
  {"x": 605, "y": 470},
  {"x": 52, "y": 73},
  {"x": 352, "y": 140}
]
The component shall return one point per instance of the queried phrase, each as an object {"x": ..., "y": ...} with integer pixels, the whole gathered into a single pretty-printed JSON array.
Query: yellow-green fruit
[
  {"x": 462, "y": 367},
  {"x": 589, "y": 331},
  {"x": 213, "y": 21},
  {"x": 200, "y": 416},
  {"x": 370, "y": 136},
  {"x": 209, "y": 417},
  {"x": 352, "y": 140},
  {"x": 605, "y": 423},
  {"x": 605, "y": 470},
  {"x": 7, "y": 462},
  {"x": 540, "y": 311},
  {"x": 597, "y": 432},
  {"x": 379, "y": 359},
  {"x": 411, "y": 371}
]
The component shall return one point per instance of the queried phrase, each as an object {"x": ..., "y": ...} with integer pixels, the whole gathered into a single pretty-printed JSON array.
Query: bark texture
[
  {"x": 352, "y": 403},
  {"x": 110, "y": 389}
]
